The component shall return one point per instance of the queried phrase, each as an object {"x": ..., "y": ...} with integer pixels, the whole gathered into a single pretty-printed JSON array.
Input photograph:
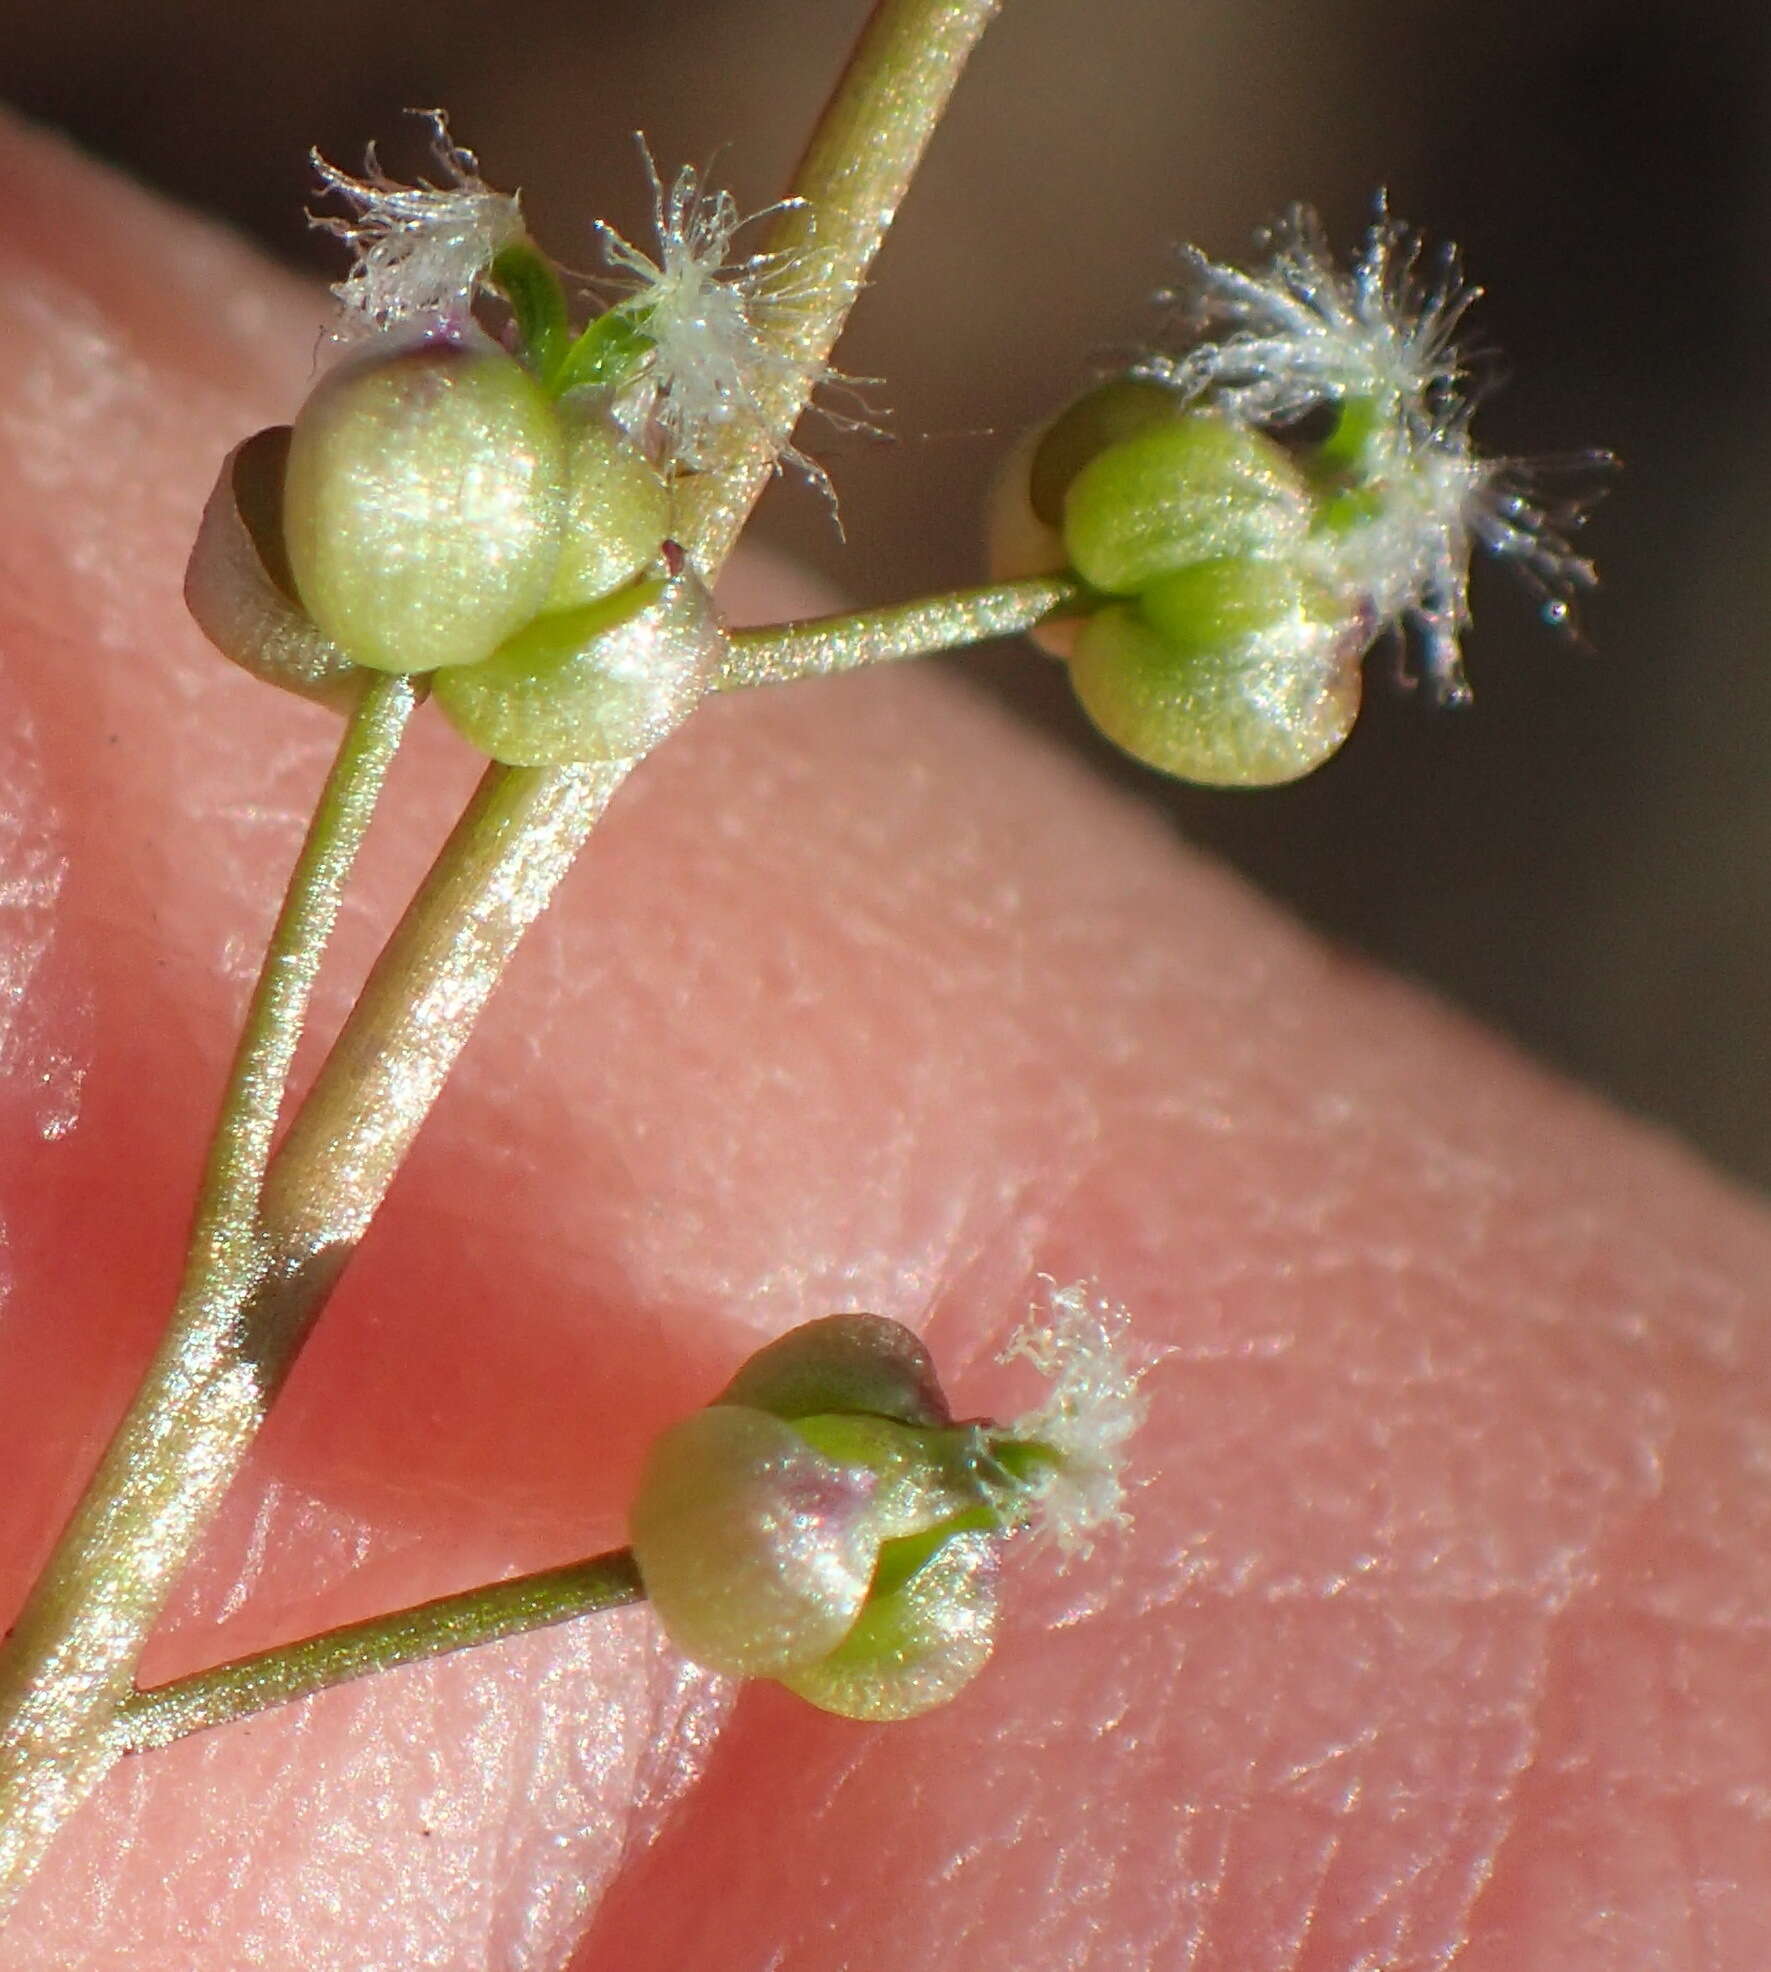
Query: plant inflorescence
[{"x": 509, "y": 498}]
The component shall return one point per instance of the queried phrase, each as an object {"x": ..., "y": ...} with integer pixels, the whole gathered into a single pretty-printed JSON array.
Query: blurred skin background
[{"x": 1581, "y": 858}]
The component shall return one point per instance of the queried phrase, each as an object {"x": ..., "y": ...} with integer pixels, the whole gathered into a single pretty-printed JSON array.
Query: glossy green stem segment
[
  {"x": 495, "y": 875},
  {"x": 818, "y": 646},
  {"x": 848, "y": 188},
  {"x": 237, "y": 1690},
  {"x": 240, "y": 1151},
  {"x": 70, "y": 1657}
]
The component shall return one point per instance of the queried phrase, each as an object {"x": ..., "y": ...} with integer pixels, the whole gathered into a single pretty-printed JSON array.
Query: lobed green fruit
[
  {"x": 1200, "y": 487},
  {"x": 424, "y": 503},
  {"x": 849, "y": 1551},
  {"x": 1233, "y": 672},
  {"x": 755, "y": 1550},
  {"x": 603, "y": 682}
]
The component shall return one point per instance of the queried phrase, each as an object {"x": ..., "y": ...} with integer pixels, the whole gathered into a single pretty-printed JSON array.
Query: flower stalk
[
  {"x": 447, "y": 1623},
  {"x": 818, "y": 647},
  {"x": 859, "y": 1449}
]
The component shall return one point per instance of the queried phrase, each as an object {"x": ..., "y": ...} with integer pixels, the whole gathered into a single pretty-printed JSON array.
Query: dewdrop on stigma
[{"x": 1255, "y": 511}]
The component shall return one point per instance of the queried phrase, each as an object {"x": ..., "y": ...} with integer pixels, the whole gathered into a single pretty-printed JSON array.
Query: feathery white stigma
[
  {"x": 1092, "y": 1409},
  {"x": 1301, "y": 332},
  {"x": 704, "y": 311},
  {"x": 421, "y": 250},
  {"x": 1300, "y": 335}
]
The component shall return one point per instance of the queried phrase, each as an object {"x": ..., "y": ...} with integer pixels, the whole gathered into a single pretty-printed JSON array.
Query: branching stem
[
  {"x": 70, "y": 1656},
  {"x": 260, "y": 1282}
]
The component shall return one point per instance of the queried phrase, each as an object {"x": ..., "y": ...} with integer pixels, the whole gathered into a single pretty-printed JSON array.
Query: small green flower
[
  {"x": 826, "y": 1522},
  {"x": 1253, "y": 513},
  {"x": 1218, "y": 648},
  {"x": 446, "y": 507},
  {"x": 433, "y": 511}
]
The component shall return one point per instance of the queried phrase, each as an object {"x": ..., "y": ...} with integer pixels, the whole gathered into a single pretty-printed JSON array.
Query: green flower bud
[
  {"x": 1234, "y": 673},
  {"x": 424, "y": 502},
  {"x": 239, "y": 589},
  {"x": 606, "y": 681},
  {"x": 617, "y": 514}
]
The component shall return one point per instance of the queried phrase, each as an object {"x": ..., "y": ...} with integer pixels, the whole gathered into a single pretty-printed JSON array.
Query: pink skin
[{"x": 1440, "y": 1635}]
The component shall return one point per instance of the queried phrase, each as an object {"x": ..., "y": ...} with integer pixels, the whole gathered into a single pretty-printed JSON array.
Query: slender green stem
[
  {"x": 849, "y": 185},
  {"x": 494, "y": 877},
  {"x": 69, "y": 1659},
  {"x": 818, "y": 646},
  {"x": 166, "y": 1712},
  {"x": 241, "y": 1147}
]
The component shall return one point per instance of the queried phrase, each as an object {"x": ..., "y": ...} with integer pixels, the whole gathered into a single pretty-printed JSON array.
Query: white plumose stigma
[
  {"x": 421, "y": 250},
  {"x": 1301, "y": 334},
  {"x": 1094, "y": 1406},
  {"x": 702, "y": 310}
]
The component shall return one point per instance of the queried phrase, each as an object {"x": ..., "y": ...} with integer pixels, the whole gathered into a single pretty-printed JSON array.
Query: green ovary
[
  {"x": 604, "y": 682},
  {"x": 1233, "y": 673},
  {"x": 424, "y": 504},
  {"x": 1197, "y": 488}
]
